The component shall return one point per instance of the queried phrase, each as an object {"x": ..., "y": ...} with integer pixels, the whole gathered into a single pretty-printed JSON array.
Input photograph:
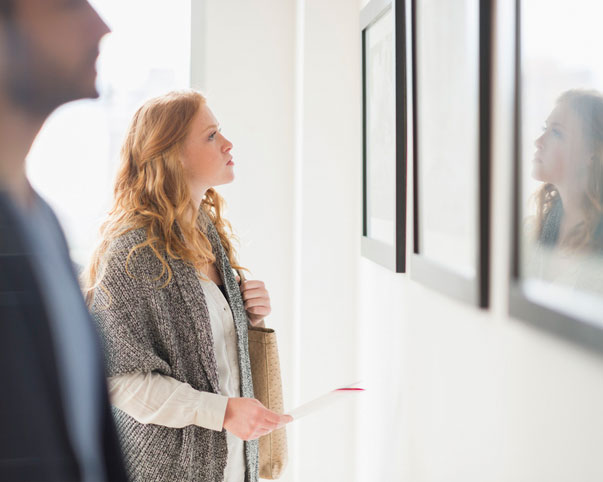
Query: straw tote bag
[{"x": 268, "y": 389}]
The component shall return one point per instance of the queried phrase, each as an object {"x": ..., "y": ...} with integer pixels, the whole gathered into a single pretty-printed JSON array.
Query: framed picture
[
  {"x": 384, "y": 133},
  {"x": 451, "y": 126},
  {"x": 556, "y": 279}
]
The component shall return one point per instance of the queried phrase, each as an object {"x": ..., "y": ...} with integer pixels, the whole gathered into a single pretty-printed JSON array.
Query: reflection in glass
[
  {"x": 566, "y": 230},
  {"x": 561, "y": 155}
]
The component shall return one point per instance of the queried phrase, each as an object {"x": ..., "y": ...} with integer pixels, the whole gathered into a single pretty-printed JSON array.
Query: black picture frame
[
  {"x": 559, "y": 315},
  {"x": 389, "y": 256},
  {"x": 475, "y": 289}
]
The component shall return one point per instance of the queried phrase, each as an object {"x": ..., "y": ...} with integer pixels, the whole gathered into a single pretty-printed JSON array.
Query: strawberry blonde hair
[
  {"x": 151, "y": 192},
  {"x": 588, "y": 106}
]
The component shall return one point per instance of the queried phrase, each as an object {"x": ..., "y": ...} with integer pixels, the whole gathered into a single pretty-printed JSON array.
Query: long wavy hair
[
  {"x": 151, "y": 192},
  {"x": 588, "y": 235}
]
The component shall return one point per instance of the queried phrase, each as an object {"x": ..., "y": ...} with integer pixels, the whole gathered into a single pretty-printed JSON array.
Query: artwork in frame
[
  {"x": 556, "y": 277},
  {"x": 451, "y": 140},
  {"x": 384, "y": 133}
]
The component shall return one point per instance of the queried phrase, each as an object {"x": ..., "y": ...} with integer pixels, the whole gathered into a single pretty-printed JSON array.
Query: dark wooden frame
[
  {"x": 568, "y": 320},
  {"x": 392, "y": 257},
  {"x": 474, "y": 290}
]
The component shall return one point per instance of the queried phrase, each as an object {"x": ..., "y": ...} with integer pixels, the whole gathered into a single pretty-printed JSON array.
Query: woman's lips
[{"x": 230, "y": 163}]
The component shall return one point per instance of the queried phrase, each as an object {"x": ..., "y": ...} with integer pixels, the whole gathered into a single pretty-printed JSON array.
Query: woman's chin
[
  {"x": 229, "y": 178},
  {"x": 537, "y": 173}
]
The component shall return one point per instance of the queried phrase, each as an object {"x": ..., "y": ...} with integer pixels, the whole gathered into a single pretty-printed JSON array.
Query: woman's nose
[
  {"x": 539, "y": 141},
  {"x": 227, "y": 145}
]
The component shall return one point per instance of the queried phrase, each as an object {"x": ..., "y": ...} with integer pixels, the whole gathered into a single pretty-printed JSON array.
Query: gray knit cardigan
[{"x": 167, "y": 330}]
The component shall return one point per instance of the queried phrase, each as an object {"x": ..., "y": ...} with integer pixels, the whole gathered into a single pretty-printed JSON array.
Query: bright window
[{"x": 73, "y": 161}]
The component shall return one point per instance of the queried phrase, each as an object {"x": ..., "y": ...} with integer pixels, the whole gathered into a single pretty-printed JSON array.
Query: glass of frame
[
  {"x": 451, "y": 146},
  {"x": 384, "y": 133},
  {"x": 557, "y": 270}
]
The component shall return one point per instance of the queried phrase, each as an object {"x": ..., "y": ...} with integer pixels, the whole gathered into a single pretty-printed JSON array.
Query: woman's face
[
  {"x": 206, "y": 154},
  {"x": 562, "y": 156}
]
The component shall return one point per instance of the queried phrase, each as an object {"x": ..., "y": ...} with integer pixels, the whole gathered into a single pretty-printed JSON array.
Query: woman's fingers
[
  {"x": 250, "y": 303},
  {"x": 248, "y": 419},
  {"x": 275, "y": 421},
  {"x": 272, "y": 418},
  {"x": 259, "y": 311},
  {"x": 252, "y": 284},
  {"x": 271, "y": 421},
  {"x": 254, "y": 293},
  {"x": 257, "y": 302},
  {"x": 256, "y": 299}
]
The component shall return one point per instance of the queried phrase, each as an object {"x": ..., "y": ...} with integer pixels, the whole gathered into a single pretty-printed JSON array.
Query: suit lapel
[{"x": 19, "y": 278}]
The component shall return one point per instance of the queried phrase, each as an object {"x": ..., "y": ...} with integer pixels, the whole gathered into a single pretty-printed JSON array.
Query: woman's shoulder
[
  {"x": 129, "y": 239},
  {"x": 129, "y": 250}
]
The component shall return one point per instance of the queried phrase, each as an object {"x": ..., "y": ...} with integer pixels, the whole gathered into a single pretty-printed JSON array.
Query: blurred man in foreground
[{"x": 55, "y": 420}]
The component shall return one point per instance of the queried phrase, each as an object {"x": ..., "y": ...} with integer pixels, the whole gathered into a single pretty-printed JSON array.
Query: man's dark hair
[{"x": 6, "y": 8}]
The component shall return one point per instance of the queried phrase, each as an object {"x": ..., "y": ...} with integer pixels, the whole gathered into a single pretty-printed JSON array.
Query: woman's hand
[
  {"x": 257, "y": 301},
  {"x": 248, "y": 419}
]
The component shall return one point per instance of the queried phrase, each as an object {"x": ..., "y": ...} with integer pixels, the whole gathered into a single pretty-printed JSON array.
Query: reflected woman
[
  {"x": 169, "y": 307},
  {"x": 569, "y": 162}
]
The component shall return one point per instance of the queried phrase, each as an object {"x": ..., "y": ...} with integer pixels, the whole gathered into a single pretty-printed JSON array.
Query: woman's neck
[
  {"x": 572, "y": 201},
  {"x": 197, "y": 195},
  {"x": 573, "y": 211}
]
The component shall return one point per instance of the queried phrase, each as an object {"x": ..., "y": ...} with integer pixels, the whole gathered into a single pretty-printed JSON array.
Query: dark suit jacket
[{"x": 34, "y": 443}]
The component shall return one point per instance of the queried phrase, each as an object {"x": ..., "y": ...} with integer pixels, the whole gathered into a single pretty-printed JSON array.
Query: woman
[
  {"x": 170, "y": 310},
  {"x": 569, "y": 204}
]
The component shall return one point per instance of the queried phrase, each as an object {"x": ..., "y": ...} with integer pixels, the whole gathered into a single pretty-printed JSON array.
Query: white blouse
[{"x": 162, "y": 400}]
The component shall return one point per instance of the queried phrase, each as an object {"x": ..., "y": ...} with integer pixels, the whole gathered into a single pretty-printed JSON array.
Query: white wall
[
  {"x": 330, "y": 243},
  {"x": 275, "y": 85},
  {"x": 468, "y": 395},
  {"x": 243, "y": 62},
  {"x": 454, "y": 393}
]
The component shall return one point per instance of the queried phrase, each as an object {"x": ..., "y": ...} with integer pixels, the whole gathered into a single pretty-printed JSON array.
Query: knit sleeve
[{"x": 127, "y": 313}]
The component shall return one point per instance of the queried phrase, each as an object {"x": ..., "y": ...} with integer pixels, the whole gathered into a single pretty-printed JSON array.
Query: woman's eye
[
  {"x": 557, "y": 133},
  {"x": 212, "y": 136}
]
